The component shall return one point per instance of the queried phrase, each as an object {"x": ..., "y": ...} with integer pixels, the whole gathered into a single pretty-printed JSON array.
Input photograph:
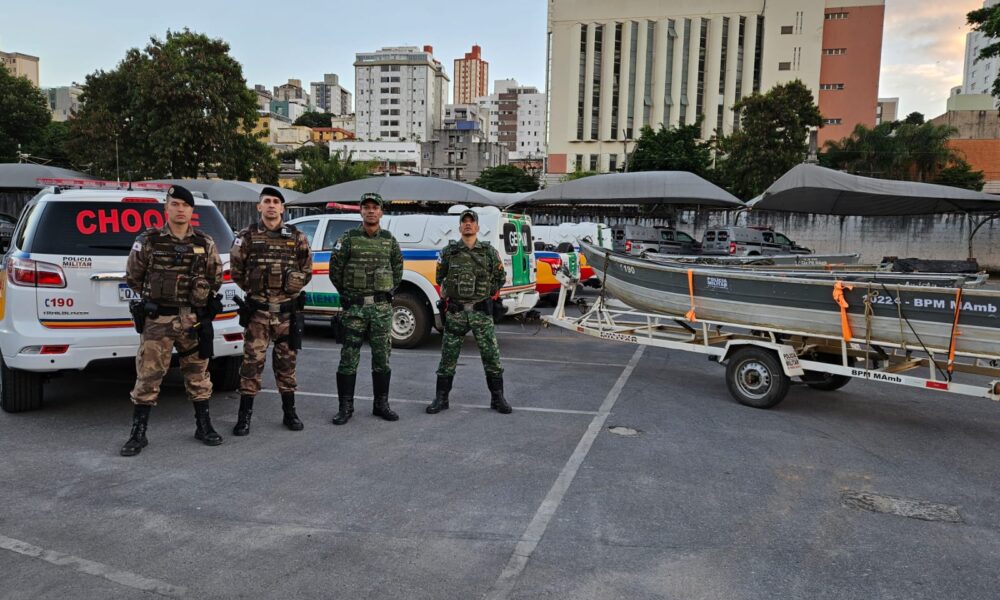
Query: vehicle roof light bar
[{"x": 99, "y": 184}]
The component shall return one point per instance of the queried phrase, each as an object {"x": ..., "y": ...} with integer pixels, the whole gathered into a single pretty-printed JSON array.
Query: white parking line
[
  {"x": 503, "y": 358},
  {"x": 504, "y": 584},
  {"x": 90, "y": 567},
  {"x": 564, "y": 411}
]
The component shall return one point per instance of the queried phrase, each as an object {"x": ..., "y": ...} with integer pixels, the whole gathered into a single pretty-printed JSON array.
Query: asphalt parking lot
[{"x": 622, "y": 473}]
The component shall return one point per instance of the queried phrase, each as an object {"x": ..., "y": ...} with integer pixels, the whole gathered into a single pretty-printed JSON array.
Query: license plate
[{"x": 125, "y": 293}]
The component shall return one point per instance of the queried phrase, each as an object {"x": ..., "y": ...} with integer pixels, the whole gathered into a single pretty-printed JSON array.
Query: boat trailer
[{"x": 761, "y": 362}]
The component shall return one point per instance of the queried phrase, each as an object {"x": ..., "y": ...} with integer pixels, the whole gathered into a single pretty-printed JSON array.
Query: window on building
[
  {"x": 787, "y": 29},
  {"x": 595, "y": 106},
  {"x": 836, "y": 16},
  {"x": 613, "y": 162},
  {"x": 831, "y": 86},
  {"x": 685, "y": 61},
  {"x": 579, "y": 162},
  {"x": 702, "y": 54},
  {"x": 834, "y": 51},
  {"x": 633, "y": 56},
  {"x": 668, "y": 81},
  {"x": 784, "y": 66},
  {"x": 593, "y": 161},
  {"x": 832, "y": 121}
]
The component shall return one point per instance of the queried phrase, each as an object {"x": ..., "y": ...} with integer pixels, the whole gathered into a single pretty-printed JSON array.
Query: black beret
[
  {"x": 270, "y": 191},
  {"x": 181, "y": 193}
]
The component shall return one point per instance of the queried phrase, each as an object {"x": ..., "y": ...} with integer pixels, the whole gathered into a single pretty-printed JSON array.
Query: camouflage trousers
[
  {"x": 160, "y": 336},
  {"x": 260, "y": 332},
  {"x": 374, "y": 320},
  {"x": 457, "y": 324}
]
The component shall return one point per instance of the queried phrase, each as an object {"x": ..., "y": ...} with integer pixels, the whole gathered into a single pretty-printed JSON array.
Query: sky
[{"x": 922, "y": 54}]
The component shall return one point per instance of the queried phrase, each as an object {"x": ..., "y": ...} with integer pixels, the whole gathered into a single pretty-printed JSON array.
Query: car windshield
[
  {"x": 683, "y": 237},
  {"x": 109, "y": 228}
]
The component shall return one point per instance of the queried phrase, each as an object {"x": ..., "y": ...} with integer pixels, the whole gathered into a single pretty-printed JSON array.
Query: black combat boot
[
  {"x": 441, "y": 396},
  {"x": 497, "y": 401},
  {"x": 345, "y": 394},
  {"x": 137, "y": 441},
  {"x": 380, "y": 407},
  {"x": 203, "y": 425},
  {"x": 243, "y": 418},
  {"x": 291, "y": 419}
]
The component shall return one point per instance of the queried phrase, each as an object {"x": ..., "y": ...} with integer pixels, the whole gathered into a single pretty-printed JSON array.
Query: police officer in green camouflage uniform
[
  {"x": 177, "y": 271},
  {"x": 470, "y": 274},
  {"x": 366, "y": 267}
]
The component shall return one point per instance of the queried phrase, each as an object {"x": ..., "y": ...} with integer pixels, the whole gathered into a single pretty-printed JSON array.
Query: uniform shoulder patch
[
  {"x": 238, "y": 241},
  {"x": 137, "y": 246}
]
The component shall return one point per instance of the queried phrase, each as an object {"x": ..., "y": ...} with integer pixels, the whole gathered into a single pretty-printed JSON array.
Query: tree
[
  {"x": 772, "y": 138},
  {"x": 178, "y": 108},
  {"x": 49, "y": 146},
  {"x": 24, "y": 114},
  {"x": 898, "y": 150},
  {"x": 507, "y": 178},
  {"x": 314, "y": 119},
  {"x": 320, "y": 170},
  {"x": 678, "y": 149},
  {"x": 961, "y": 175},
  {"x": 987, "y": 20},
  {"x": 915, "y": 118}
]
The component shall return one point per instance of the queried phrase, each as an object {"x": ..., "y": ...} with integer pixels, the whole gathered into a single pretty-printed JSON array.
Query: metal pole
[
  {"x": 625, "y": 149},
  {"x": 117, "y": 174}
]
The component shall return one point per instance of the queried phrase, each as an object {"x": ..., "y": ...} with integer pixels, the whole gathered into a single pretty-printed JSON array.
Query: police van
[
  {"x": 421, "y": 238},
  {"x": 63, "y": 296}
]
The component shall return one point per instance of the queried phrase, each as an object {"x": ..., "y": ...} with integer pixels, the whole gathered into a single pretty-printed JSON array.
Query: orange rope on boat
[
  {"x": 838, "y": 297},
  {"x": 690, "y": 314},
  {"x": 954, "y": 331}
]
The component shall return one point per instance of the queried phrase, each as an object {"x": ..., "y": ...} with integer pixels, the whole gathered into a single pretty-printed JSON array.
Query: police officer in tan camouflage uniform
[
  {"x": 271, "y": 262},
  {"x": 177, "y": 271},
  {"x": 366, "y": 267}
]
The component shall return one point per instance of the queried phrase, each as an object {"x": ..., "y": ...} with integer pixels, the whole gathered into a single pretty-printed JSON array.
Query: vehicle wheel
[
  {"x": 753, "y": 253},
  {"x": 755, "y": 377},
  {"x": 827, "y": 382},
  {"x": 411, "y": 321},
  {"x": 225, "y": 373},
  {"x": 20, "y": 391}
]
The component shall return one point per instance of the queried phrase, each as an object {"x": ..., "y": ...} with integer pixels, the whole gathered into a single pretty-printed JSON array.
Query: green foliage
[
  {"x": 897, "y": 150},
  {"x": 678, "y": 149},
  {"x": 49, "y": 146},
  {"x": 320, "y": 170},
  {"x": 178, "y": 108},
  {"x": 915, "y": 118},
  {"x": 987, "y": 20},
  {"x": 314, "y": 119},
  {"x": 24, "y": 114},
  {"x": 507, "y": 178},
  {"x": 772, "y": 138},
  {"x": 961, "y": 175},
  {"x": 578, "y": 173}
]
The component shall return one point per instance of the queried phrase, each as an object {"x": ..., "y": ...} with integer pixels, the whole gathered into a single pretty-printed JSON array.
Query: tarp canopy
[
  {"x": 409, "y": 188},
  {"x": 25, "y": 175},
  {"x": 226, "y": 190},
  {"x": 818, "y": 190},
  {"x": 645, "y": 187}
]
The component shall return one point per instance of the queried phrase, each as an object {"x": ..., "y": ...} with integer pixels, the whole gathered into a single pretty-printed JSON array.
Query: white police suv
[{"x": 63, "y": 297}]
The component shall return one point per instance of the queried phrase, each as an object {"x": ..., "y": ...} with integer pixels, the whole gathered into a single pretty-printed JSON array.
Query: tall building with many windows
[
  {"x": 614, "y": 67},
  {"x": 472, "y": 75},
  {"x": 979, "y": 75},
  {"x": 20, "y": 65},
  {"x": 517, "y": 119},
  {"x": 329, "y": 96},
  {"x": 401, "y": 94}
]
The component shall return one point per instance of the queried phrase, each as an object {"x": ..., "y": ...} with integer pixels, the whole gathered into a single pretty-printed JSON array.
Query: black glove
[{"x": 345, "y": 302}]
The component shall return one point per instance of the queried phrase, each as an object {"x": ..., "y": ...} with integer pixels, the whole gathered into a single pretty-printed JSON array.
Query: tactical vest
[
  {"x": 468, "y": 278},
  {"x": 368, "y": 269},
  {"x": 176, "y": 272},
  {"x": 271, "y": 258}
]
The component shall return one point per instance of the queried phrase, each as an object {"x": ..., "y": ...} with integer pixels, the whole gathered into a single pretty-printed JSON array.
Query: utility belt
[
  {"x": 272, "y": 307},
  {"x": 172, "y": 311},
  {"x": 483, "y": 306},
  {"x": 360, "y": 300}
]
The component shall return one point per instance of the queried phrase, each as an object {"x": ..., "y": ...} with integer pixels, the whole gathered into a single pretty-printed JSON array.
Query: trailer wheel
[
  {"x": 755, "y": 377},
  {"x": 20, "y": 391}
]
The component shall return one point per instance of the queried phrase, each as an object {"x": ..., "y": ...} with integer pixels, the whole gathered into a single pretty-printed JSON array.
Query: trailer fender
[{"x": 787, "y": 356}]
